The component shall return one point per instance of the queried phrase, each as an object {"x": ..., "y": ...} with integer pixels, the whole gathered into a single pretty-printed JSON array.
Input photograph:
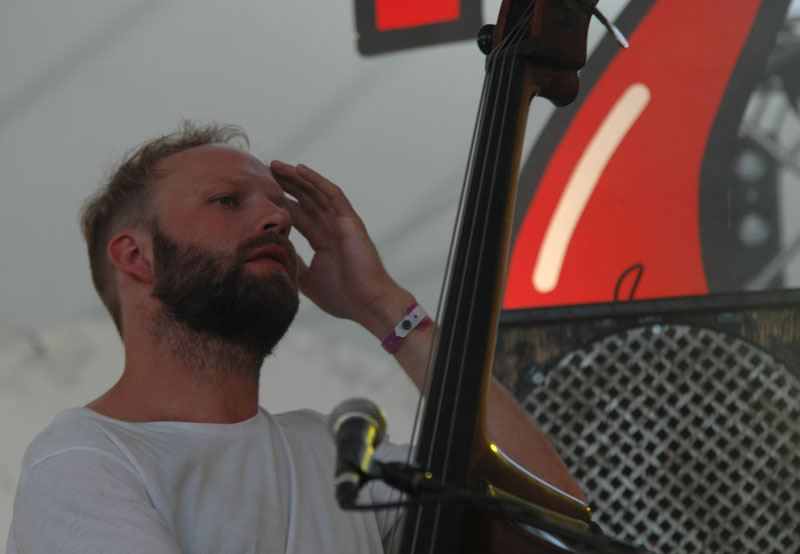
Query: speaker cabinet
[{"x": 680, "y": 418}]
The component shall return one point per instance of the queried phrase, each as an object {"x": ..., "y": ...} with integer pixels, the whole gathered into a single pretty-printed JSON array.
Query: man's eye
[{"x": 225, "y": 201}]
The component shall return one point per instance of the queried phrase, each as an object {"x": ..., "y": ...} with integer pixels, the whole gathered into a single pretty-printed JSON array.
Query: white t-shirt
[{"x": 90, "y": 483}]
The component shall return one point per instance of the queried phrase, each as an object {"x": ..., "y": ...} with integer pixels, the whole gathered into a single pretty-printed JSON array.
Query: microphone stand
[{"x": 420, "y": 484}]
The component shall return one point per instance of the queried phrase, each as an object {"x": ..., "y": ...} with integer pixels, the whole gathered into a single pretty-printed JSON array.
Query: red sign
[
  {"x": 390, "y": 25},
  {"x": 403, "y": 14}
]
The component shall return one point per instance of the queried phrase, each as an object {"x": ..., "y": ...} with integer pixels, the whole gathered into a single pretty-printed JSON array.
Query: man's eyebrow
[{"x": 227, "y": 181}]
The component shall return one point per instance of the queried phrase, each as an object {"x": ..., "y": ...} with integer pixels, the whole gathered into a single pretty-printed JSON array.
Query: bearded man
[{"x": 189, "y": 251}]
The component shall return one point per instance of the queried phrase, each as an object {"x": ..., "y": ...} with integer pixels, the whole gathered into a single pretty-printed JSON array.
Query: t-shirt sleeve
[{"x": 84, "y": 501}]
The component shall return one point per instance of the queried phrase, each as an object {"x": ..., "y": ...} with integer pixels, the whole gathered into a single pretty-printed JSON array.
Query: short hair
[{"x": 124, "y": 200}]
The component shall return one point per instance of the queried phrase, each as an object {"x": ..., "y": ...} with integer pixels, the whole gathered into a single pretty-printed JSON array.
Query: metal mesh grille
[{"x": 685, "y": 439}]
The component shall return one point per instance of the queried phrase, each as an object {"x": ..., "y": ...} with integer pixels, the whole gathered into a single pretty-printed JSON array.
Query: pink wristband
[{"x": 415, "y": 318}]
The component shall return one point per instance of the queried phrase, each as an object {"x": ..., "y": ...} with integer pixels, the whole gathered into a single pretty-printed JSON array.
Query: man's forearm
[{"x": 508, "y": 424}]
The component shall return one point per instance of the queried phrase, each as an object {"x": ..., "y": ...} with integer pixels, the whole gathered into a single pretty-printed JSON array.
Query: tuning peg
[
  {"x": 615, "y": 32},
  {"x": 485, "y": 38}
]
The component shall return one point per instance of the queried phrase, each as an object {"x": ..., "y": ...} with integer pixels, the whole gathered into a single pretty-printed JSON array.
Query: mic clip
[{"x": 408, "y": 478}]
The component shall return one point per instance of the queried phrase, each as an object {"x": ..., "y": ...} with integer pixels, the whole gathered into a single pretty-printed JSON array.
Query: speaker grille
[{"x": 685, "y": 439}]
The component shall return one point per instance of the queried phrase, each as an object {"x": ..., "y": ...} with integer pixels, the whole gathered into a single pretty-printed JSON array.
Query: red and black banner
[
  {"x": 388, "y": 25},
  {"x": 631, "y": 191}
]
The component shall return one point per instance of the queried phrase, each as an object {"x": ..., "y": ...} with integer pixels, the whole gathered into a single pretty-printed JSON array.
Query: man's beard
[{"x": 212, "y": 294}]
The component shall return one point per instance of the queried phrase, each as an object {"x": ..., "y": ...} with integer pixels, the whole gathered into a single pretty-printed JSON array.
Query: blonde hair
[{"x": 124, "y": 199}]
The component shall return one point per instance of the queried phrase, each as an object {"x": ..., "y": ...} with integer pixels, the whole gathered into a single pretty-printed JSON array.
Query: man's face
[{"x": 223, "y": 263}]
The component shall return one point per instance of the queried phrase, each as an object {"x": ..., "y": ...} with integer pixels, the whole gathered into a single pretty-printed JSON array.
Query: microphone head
[{"x": 358, "y": 408}]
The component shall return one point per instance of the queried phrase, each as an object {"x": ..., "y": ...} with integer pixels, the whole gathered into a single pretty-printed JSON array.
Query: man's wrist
[
  {"x": 415, "y": 317},
  {"x": 383, "y": 314}
]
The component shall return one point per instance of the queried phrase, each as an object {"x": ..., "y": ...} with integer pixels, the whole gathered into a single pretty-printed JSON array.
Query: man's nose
[{"x": 274, "y": 218}]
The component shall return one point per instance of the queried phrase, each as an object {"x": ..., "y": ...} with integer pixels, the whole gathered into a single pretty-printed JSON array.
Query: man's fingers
[
  {"x": 307, "y": 181},
  {"x": 309, "y": 224},
  {"x": 331, "y": 191},
  {"x": 291, "y": 182},
  {"x": 322, "y": 183}
]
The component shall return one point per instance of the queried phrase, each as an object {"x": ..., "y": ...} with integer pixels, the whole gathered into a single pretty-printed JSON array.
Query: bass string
[
  {"x": 476, "y": 242},
  {"x": 510, "y": 41},
  {"x": 476, "y": 236},
  {"x": 437, "y": 317}
]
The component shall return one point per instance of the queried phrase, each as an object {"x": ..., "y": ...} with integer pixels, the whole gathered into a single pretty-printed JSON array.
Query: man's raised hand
[{"x": 345, "y": 276}]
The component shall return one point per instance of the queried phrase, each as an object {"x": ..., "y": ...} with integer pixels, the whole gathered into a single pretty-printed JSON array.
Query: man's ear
[{"x": 131, "y": 251}]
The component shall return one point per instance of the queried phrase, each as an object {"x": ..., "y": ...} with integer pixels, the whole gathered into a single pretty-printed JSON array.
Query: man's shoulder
[
  {"x": 72, "y": 430},
  {"x": 304, "y": 424},
  {"x": 302, "y": 418}
]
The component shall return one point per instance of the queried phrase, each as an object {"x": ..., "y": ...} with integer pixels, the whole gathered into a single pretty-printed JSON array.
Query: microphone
[{"x": 358, "y": 426}]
